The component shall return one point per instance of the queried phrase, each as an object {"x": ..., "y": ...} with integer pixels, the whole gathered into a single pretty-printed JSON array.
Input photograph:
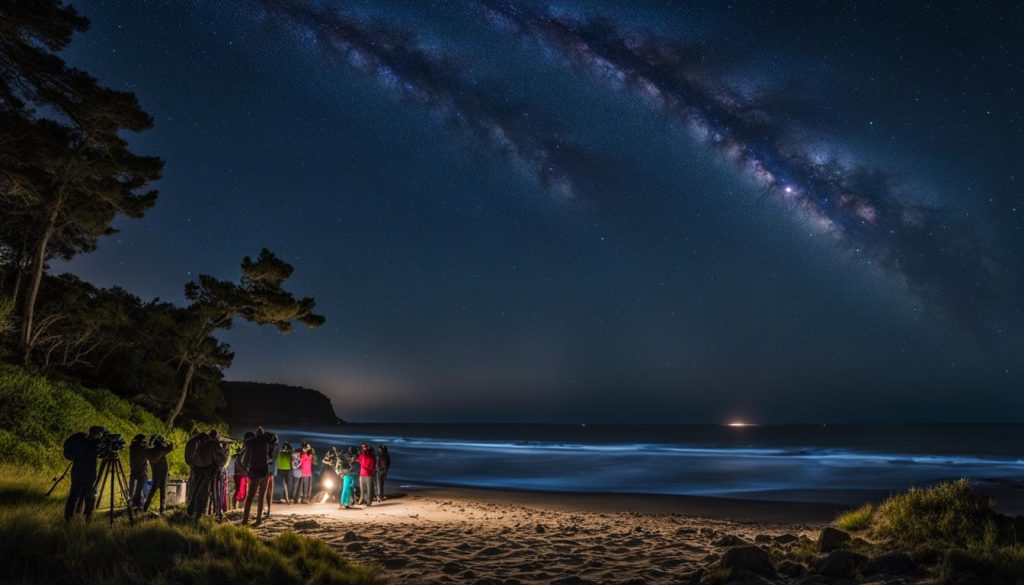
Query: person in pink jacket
[
  {"x": 367, "y": 474},
  {"x": 306, "y": 480}
]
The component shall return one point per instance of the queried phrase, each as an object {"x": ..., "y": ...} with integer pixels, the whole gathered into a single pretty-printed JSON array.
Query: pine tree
[
  {"x": 258, "y": 298},
  {"x": 68, "y": 174}
]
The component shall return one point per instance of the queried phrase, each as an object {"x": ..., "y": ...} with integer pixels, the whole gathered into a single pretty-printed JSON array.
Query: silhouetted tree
[
  {"x": 67, "y": 174},
  {"x": 258, "y": 298}
]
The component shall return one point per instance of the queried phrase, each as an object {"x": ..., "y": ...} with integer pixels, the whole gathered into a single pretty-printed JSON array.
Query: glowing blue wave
[{"x": 661, "y": 468}]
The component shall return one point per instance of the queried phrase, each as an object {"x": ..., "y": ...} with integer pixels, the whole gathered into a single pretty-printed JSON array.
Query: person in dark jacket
[
  {"x": 156, "y": 454},
  {"x": 80, "y": 449},
  {"x": 137, "y": 475},
  {"x": 383, "y": 463},
  {"x": 210, "y": 456},
  {"x": 194, "y": 478},
  {"x": 200, "y": 464},
  {"x": 257, "y": 454}
]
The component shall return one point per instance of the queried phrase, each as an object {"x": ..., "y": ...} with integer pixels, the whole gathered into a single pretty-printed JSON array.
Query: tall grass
[
  {"x": 39, "y": 547},
  {"x": 856, "y": 520}
]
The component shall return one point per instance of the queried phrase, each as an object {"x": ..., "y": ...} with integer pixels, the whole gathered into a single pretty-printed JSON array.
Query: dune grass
[
  {"x": 951, "y": 528},
  {"x": 948, "y": 514},
  {"x": 38, "y": 546},
  {"x": 856, "y": 520}
]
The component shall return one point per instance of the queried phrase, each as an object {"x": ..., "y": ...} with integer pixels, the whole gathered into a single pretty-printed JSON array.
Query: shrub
[
  {"x": 856, "y": 520},
  {"x": 948, "y": 514}
]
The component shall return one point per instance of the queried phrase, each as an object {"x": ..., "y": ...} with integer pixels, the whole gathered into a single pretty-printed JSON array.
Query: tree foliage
[
  {"x": 66, "y": 171},
  {"x": 258, "y": 297}
]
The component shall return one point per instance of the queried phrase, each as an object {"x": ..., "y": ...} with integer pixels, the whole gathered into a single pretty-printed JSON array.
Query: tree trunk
[
  {"x": 184, "y": 394},
  {"x": 18, "y": 272},
  {"x": 38, "y": 264}
]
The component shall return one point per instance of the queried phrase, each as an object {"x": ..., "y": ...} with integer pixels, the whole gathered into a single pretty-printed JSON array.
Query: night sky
[{"x": 594, "y": 211}]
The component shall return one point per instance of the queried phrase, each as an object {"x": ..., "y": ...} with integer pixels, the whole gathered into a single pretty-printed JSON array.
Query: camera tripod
[{"x": 112, "y": 472}]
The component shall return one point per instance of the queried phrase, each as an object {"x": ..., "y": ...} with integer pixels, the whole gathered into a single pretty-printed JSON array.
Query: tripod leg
[
  {"x": 101, "y": 482},
  {"x": 57, "y": 481},
  {"x": 113, "y": 478},
  {"x": 123, "y": 480}
]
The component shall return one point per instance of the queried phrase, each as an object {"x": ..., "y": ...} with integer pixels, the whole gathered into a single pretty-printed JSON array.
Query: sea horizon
[{"x": 840, "y": 464}]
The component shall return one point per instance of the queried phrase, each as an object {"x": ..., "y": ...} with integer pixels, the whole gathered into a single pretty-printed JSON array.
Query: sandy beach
[{"x": 442, "y": 535}]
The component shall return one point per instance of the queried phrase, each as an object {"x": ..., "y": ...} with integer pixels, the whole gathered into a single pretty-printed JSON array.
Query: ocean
[{"x": 826, "y": 463}]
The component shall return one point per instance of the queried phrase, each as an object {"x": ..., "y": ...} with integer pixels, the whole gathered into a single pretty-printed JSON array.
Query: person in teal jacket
[{"x": 348, "y": 482}]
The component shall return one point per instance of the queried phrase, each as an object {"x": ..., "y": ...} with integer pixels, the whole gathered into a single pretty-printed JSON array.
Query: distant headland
[{"x": 276, "y": 404}]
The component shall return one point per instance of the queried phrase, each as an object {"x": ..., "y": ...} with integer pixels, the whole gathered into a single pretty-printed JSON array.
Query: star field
[{"x": 519, "y": 210}]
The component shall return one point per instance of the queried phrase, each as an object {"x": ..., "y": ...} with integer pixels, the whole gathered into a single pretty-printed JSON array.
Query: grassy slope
[
  {"x": 37, "y": 414},
  {"x": 39, "y": 547}
]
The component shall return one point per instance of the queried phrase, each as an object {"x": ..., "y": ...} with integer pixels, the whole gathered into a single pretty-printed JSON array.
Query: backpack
[
  {"x": 258, "y": 449},
  {"x": 203, "y": 456},
  {"x": 219, "y": 455},
  {"x": 71, "y": 443},
  {"x": 190, "y": 449}
]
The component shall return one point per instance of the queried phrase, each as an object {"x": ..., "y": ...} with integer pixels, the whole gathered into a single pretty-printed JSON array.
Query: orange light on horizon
[{"x": 738, "y": 424}]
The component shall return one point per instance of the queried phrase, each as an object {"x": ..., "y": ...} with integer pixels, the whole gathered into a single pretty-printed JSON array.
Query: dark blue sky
[{"x": 593, "y": 210}]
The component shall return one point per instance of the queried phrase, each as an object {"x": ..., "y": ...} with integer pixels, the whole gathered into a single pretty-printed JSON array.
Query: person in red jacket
[{"x": 367, "y": 474}]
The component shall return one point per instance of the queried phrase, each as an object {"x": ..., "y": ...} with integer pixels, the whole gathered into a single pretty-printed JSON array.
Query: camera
[{"x": 109, "y": 444}]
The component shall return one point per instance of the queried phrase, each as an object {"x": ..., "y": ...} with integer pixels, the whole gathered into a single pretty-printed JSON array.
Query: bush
[
  {"x": 856, "y": 520},
  {"x": 949, "y": 514}
]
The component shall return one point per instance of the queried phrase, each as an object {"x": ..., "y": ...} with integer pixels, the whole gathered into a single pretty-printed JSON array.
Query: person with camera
[
  {"x": 191, "y": 448},
  {"x": 156, "y": 455},
  {"x": 81, "y": 449},
  {"x": 137, "y": 463},
  {"x": 257, "y": 453},
  {"x": 209, "y": 454}
]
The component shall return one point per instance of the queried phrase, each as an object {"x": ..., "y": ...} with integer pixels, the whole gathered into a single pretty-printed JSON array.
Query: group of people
[
  {"x": 365, "y": 473},
  {"x": 247, "y": 470},
  {"x": 225, "y": 473},
  {"x": 295, "y": 469},
  {"x": 146, "y": 455}
]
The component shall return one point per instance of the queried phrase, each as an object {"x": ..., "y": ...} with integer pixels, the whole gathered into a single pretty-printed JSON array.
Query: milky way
[
  {"x": 864, "y": 209},
  {"x": 396, "y": 60}
]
